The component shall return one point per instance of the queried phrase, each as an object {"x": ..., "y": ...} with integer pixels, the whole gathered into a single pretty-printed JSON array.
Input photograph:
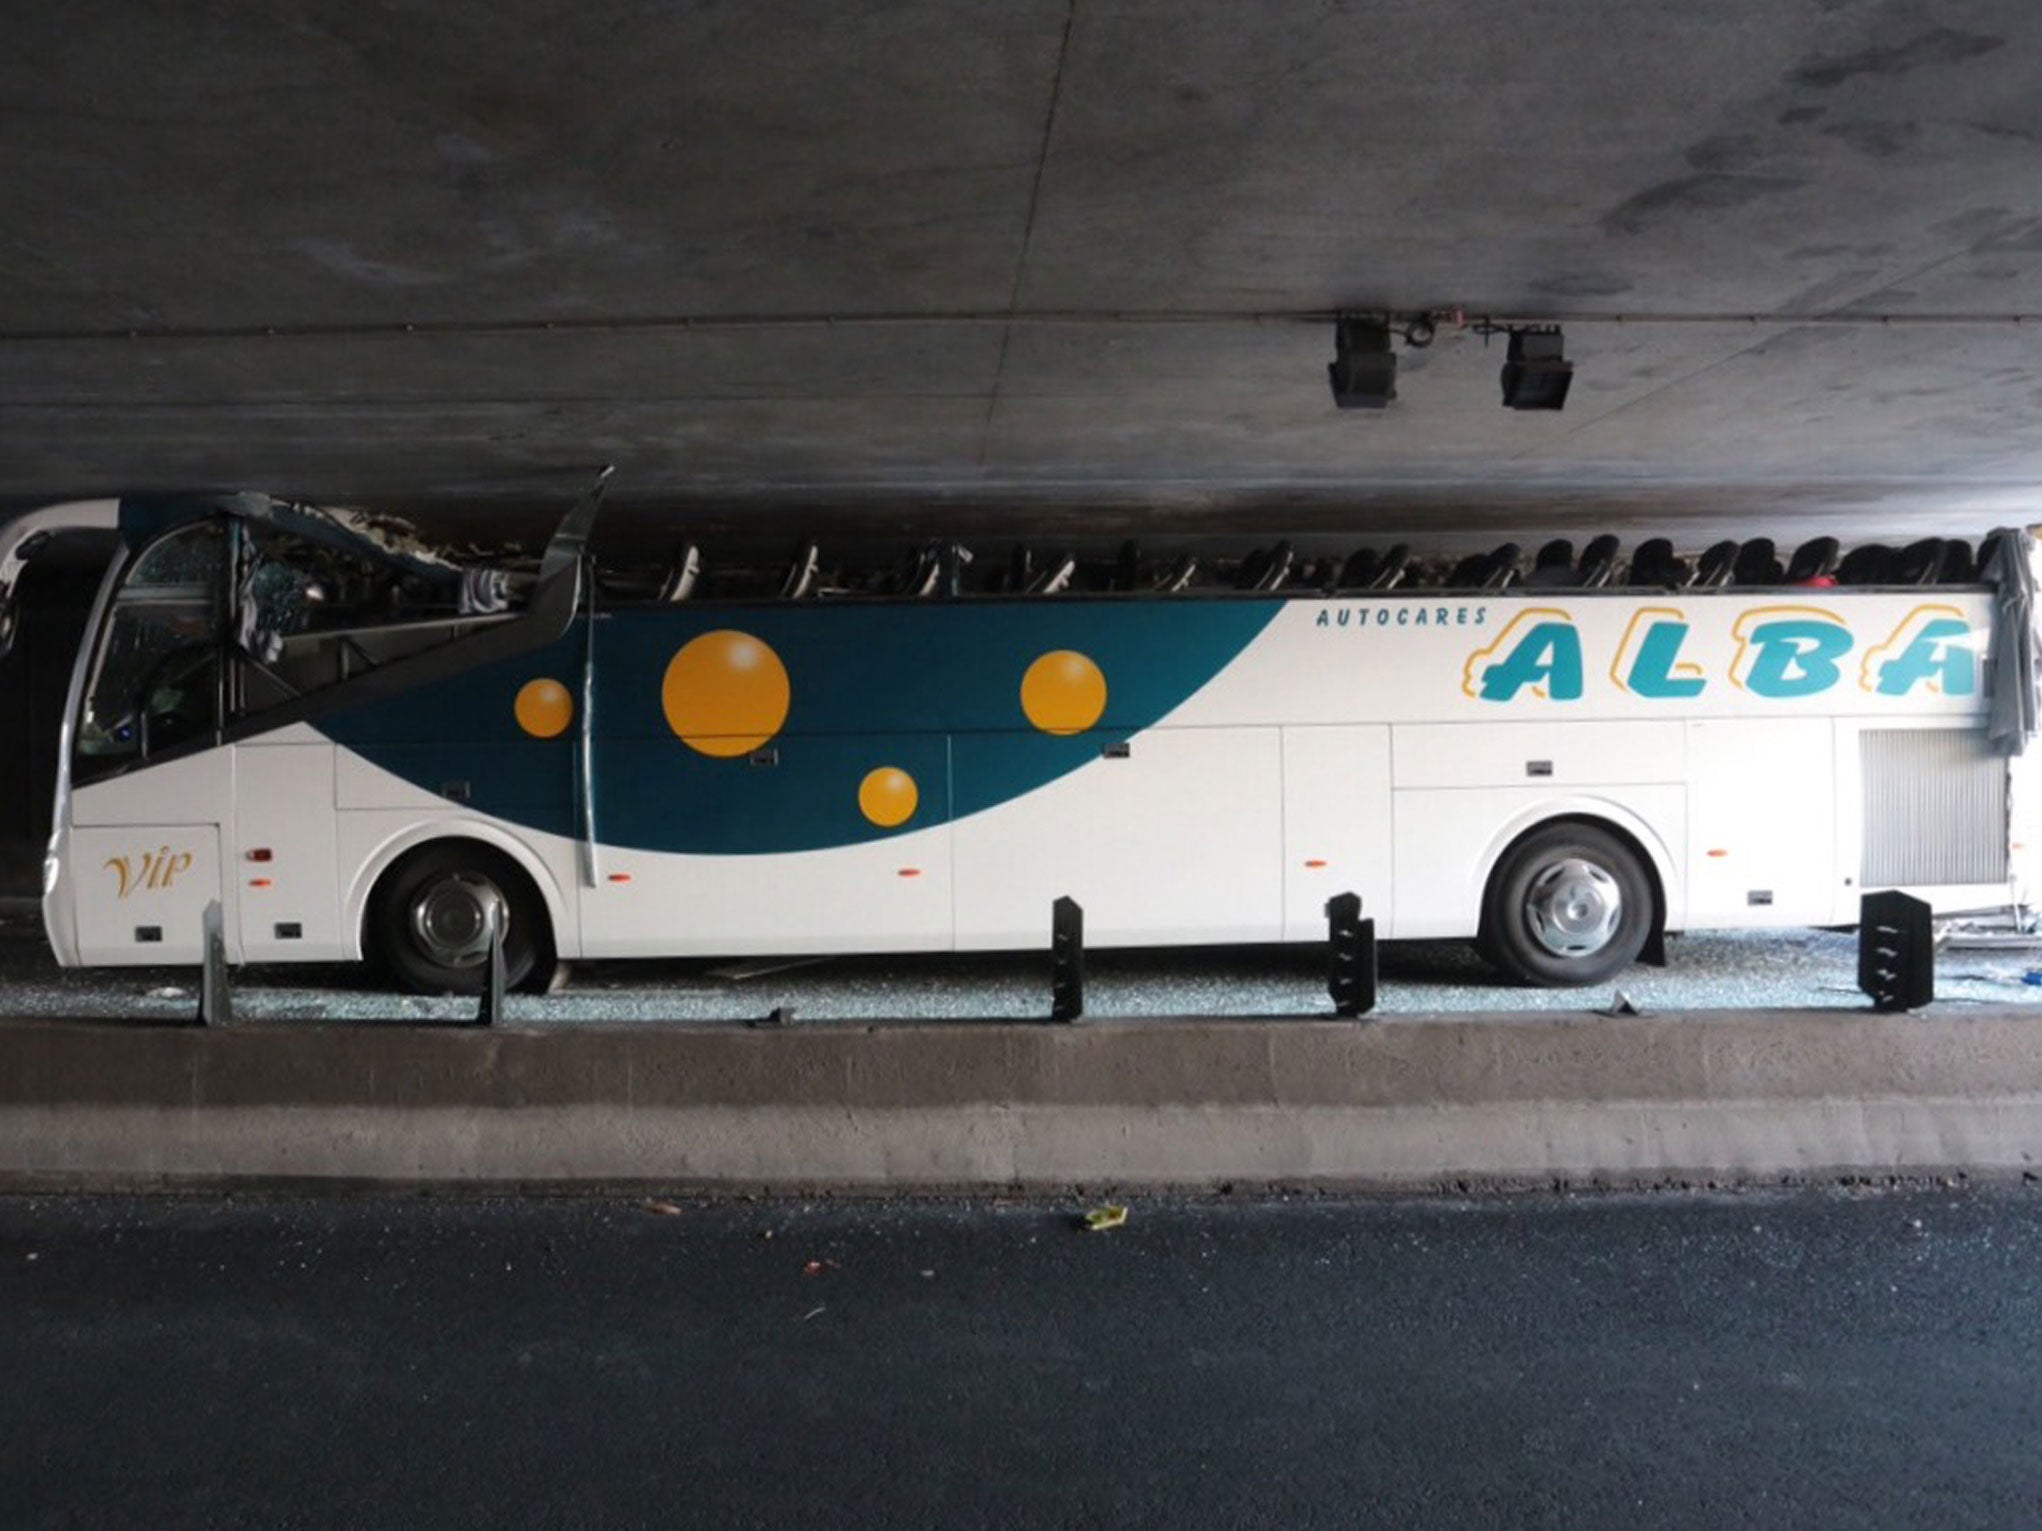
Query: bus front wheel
[
  {"x": 430, "y": 919},
  {"x": 1568, "y": 904}
]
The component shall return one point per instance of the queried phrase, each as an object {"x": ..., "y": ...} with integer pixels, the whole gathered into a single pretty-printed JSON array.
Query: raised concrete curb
[{"x": 1177, "y": 1103}]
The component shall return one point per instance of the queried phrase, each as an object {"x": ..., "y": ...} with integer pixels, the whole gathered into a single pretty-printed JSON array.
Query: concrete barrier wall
[{"x": 1164, "y": 1103}]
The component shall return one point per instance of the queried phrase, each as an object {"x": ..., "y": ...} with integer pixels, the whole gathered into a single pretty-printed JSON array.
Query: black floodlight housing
[
  {"x": 1535, "y": 373},
  {"x": 1364, "y": 368}
]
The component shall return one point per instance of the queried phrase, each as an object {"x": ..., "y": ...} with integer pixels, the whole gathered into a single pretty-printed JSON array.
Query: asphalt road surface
[{"x": 1808, "y": 1359}]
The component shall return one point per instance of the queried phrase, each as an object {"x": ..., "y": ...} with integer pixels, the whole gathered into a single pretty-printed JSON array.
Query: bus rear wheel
[
  {"x": 1569, "y": 904},
  {"x": 430, "y": 919}
]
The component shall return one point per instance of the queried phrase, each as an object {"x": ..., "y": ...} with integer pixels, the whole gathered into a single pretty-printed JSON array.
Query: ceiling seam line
[{"x": 1056, "y": 90}]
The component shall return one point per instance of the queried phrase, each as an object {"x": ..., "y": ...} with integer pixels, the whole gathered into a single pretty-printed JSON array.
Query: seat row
[{"x": 949, "y": 569}]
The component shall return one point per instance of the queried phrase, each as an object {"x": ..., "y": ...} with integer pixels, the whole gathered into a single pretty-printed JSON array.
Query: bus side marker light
[
  {"x": 1718, "y": 855},
  {"x": 1315, "y": 863},
  {"x": 620, "y": 877},
  {"x": 910, "y": 872},
  {"x": 261, "y": 882},
  {"x": 261, "y": 853}
]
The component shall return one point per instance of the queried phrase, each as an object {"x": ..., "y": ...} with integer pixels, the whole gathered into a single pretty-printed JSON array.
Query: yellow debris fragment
[{"x": 1099, "y": 1219}]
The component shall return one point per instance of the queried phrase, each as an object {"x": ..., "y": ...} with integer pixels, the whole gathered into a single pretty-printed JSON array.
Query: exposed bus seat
[
  {"x": 919, "y": 575},
  {"x": 1713, "y": 569},
  {"x": 1654, "y": 565},
  {"x": 1814, "y": 562},
  {"x": 1502, "y": 566},
  {"x": 801, "y": 572},
  {"x": 1919, "y": 562},
  {"x": 1265, "y": 568},
  {"x": 1055, "y": 576},
  {"x": 1553, "y": 567},
  {"x": 1757, "y": 563},
  {"x": 1871, "y": 564},
  {"x": 1127, "y": 569},
  {"x": 1959, "y": 566},
  {"x": 1179, "y": 575},
  {"x": 1598, "y": 564},
  {"x": 1391, "y": 571},
  {"x": 1467, "y": 574},
  {"x": 683, "y": 574},
  {"x": 1359, "y": 569}
]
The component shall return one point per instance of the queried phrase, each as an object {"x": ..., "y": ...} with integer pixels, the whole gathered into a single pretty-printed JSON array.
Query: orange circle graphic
[
  {"x": 888, "y": 796},
  {"x": 725, "y": 694},
  {"x": 1063, "y": 692},
  {"x": 544, "y": 708}
]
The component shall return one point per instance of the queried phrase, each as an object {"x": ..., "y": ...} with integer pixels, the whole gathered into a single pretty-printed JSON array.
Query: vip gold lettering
[{"x": 155, "y": 870}]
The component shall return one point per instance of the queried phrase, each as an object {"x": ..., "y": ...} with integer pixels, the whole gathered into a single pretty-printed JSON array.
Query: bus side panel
[
  {"x": 282, "y": 851},
  {"x": 142, "y": 892},
  {"x": 141, "y": 854},
  {"x": 1180, "y": 841},
  {"x": 888, "y": 896},
  {"x": 1761, "y": 822},
  {"x": 1336, "y": 825},
  {"x": 890, "y": 893}
]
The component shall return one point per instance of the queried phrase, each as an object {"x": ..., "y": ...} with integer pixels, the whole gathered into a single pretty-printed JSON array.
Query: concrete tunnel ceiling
[{"x": 1133, "y": 184}]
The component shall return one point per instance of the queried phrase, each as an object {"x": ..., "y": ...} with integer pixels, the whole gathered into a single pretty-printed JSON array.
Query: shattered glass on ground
[{"x": 1722, "y": 970}]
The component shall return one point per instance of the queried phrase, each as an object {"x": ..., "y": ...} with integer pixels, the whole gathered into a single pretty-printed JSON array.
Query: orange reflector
[
  {"x": 911, "y": 871},
  {"x": 1719, "y": 854},
  {"x": 620, "y": 877},
  {"x": 261, "y": 853},
  {"x": 260, "y": 882},
  {"x": 1315, "y": 862}
]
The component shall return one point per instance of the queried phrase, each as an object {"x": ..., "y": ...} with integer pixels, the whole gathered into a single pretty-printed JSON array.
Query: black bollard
[
  {"x": 216, "y": 988},
  {"x": 1066, "y": 960},
  {"x": 1351, "y": 947},
  {"x": 1896, "y": 951},
  {"x": 490, "y": 1010}
]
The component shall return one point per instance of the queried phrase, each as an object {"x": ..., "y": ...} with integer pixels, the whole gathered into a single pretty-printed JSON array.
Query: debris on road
[{"x": 1100, "y": 1219}]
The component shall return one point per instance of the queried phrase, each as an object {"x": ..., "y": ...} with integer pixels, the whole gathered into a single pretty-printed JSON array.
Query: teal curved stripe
[{"x": 872, "y": 685}]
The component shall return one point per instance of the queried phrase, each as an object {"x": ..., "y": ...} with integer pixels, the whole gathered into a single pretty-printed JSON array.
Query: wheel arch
[
  {"x": 377, "y": 866},
  {"x": 1634, "y": 832}
]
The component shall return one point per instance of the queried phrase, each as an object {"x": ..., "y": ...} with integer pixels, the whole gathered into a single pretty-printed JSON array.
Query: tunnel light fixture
[
  {"x": 1363, "y": 371},
  {"x": 1536, "y": 372}
]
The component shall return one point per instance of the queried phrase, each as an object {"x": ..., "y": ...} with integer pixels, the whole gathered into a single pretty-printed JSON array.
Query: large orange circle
[
  {"x": 1063, "y": 692},
  {"x": 544, "y": 708},
  {"x": 725, "y": 693},
  {"x": 888, "y": 796}
]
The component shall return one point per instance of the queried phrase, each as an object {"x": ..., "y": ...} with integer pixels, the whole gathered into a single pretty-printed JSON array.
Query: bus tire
[
  {"x": 427, "y": 925},
  {"x": 1569, "y": 904}
]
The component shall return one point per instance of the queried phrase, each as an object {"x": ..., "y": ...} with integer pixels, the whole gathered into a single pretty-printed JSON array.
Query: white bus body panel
[
  {"x": 284, "y": 815},
  {"x": 1181, "y": 841},
  {"x": 1761, "y": 846},
  {"x": 1337, "y": 834},
  {"x": 883, "y": 896},
  {"x": 142, "y": 892}
]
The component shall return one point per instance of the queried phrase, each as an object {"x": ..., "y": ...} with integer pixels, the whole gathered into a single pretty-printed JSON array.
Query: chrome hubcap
[
  {"x": 451, "y": 918},
  {"x": 1573, "y": 908}
]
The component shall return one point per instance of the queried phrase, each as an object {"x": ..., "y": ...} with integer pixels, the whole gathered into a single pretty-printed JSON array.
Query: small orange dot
[
  {"x": 888, "y": 797},
  {"x": 544, "y": 708}
]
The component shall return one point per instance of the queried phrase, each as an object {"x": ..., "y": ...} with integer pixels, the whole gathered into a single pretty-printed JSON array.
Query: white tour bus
[{"x": 358, "y": 748}]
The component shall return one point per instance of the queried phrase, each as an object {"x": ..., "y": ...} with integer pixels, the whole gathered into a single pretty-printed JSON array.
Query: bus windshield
[{"x": 222, "y": 621}]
